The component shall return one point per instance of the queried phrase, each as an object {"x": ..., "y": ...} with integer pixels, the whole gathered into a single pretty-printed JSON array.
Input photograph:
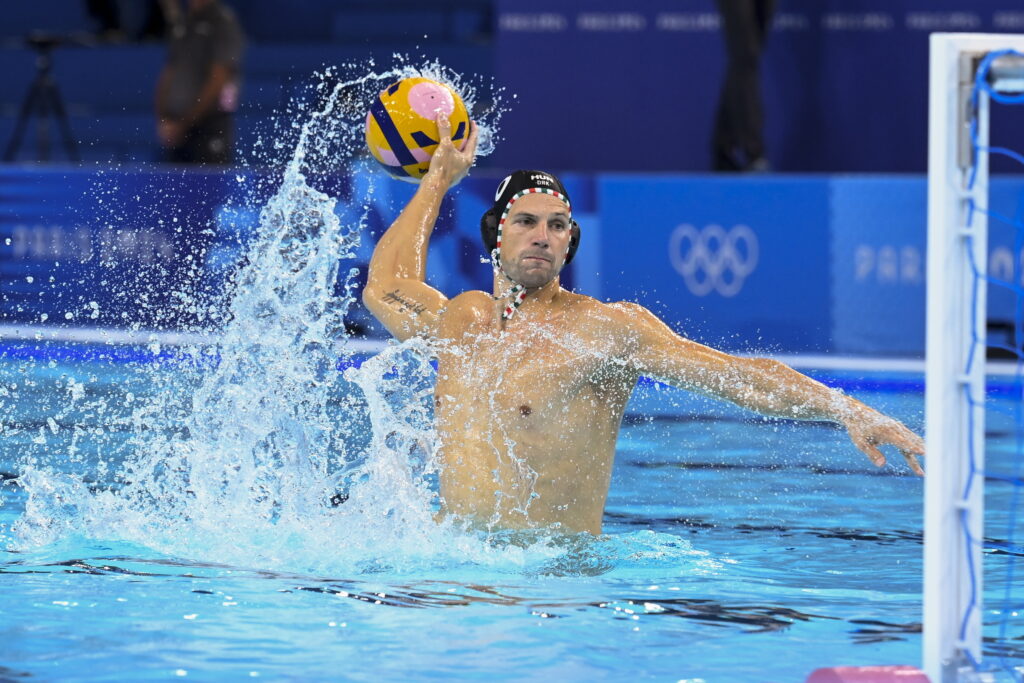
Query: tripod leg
[
  {"x": 27, "y": 107},
  {"x": 57, "y": 105},
  {"x": 43, "y": 123}
]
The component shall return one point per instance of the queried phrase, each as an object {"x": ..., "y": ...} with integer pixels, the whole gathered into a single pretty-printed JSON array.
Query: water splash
[{"x": 258, "y": 452}]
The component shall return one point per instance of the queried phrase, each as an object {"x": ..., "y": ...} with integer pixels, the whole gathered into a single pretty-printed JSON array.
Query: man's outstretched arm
[
  {"x": 763, "y": 385},
  {"x": 396, "y": 292}
]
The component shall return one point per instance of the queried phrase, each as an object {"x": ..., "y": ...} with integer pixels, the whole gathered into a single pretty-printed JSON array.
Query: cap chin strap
[{"x": 517, "y": 294}]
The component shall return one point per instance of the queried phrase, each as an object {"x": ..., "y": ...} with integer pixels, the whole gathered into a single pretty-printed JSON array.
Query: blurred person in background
[
  {"x": 738, "y": 143},
  {"x": 145, "y": 21},
  {"x": 197, "y": 92},
  {"x": 107, "y": 18}
]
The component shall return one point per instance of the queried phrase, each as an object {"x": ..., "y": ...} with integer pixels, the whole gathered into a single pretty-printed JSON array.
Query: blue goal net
[{"x": 999, "y": 345}]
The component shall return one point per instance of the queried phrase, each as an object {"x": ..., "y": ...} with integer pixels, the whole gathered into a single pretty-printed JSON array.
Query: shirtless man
[{"x": 533, "y": 380}]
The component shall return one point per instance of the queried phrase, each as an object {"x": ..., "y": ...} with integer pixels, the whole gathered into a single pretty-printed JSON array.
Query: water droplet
[{"x": 254, "y": 426}]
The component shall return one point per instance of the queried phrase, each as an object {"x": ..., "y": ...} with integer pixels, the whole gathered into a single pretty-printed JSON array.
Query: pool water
[
  {"x": 735, "y": 549},
  {"x": 263, "y": 507}
]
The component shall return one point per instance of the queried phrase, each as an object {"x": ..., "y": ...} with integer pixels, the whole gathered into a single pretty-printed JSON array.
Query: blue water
[
  {"x": 263, "y": 506},
  {"x": 735, "y": 549}
]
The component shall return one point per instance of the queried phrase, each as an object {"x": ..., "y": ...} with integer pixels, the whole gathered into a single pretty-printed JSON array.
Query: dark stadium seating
[{"x": 108, "y": 88}]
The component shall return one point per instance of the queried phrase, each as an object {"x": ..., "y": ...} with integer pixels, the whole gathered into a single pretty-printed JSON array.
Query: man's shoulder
[
  {"x": 473, "y": 298},
  {"x": 602, "y": 318},
  {"x": 624, "y": 319},
  {"x": 606, "y": 310},
  {"x": 468, "y": 304}
]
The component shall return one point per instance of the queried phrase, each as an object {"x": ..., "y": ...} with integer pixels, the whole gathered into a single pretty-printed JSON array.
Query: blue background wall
[
  {"x": 763, "y": 281},
  {"x": 633, "y": 84},
  {"x": 878, "y": 263},
  {"x": 795, "y": 264},
  {"x": 606, "y": 93},
  {"x": 605, "y": 85}
]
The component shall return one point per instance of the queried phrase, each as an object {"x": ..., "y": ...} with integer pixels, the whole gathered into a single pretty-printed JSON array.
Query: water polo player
[{"x": 533, "y": 379}]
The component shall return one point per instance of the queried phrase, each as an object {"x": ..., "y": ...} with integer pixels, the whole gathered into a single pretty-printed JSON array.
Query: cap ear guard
[
  {"x": 489, "y": 229},
  {"x": 574, "y": 243},
  {"x": 489, "y": 234}
]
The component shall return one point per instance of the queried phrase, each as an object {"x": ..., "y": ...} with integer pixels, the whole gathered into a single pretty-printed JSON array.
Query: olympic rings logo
[{"x": 713, "y": 259}]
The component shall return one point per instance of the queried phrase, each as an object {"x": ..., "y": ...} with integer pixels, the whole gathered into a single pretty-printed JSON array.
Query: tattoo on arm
[{"x": 404, "y": 303}]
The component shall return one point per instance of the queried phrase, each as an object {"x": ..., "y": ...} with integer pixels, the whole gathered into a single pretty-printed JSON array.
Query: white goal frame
[{"x": 956, "y": 329}]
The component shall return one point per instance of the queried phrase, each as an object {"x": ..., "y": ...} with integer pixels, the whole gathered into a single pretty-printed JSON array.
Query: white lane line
[
  {"x": 873, "y": 364},
  {"x": 89, "y": 335}
]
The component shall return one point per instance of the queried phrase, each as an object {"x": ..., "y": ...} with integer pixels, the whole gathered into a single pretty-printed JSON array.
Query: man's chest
[{"x": 541, "y": 371}]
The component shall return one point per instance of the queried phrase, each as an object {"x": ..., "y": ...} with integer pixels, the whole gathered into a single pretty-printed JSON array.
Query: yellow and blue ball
[{"x": 401, "y": 130}]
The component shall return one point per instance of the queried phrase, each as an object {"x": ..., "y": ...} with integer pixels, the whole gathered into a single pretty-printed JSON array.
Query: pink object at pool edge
[{"x": 868, "y": 674}]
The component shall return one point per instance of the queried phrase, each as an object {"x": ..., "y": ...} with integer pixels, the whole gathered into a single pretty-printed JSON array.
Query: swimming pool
[
  {"x": 247, "y": 510},
  {"x": 735, "y": 550}
]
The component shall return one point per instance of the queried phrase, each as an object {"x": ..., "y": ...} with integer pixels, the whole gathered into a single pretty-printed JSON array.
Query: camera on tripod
[{"x": 43, "y": 100}]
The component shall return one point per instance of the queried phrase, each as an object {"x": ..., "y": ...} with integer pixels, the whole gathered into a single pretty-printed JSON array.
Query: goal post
[{"x": 956, "y": 340}]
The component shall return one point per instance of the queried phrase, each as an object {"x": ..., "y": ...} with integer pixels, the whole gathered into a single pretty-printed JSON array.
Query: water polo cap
[{"x": 514, "y": 186}]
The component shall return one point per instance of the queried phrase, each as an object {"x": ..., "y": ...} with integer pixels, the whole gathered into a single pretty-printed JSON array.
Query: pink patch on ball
[
  {"x": 388, "y": 157},
  {"x": 418, "y": 154},
  {"x": 426, "y": 99}
]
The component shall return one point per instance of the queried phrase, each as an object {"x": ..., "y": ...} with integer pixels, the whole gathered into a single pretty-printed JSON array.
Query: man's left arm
[{"x": 763, "y": 385}]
